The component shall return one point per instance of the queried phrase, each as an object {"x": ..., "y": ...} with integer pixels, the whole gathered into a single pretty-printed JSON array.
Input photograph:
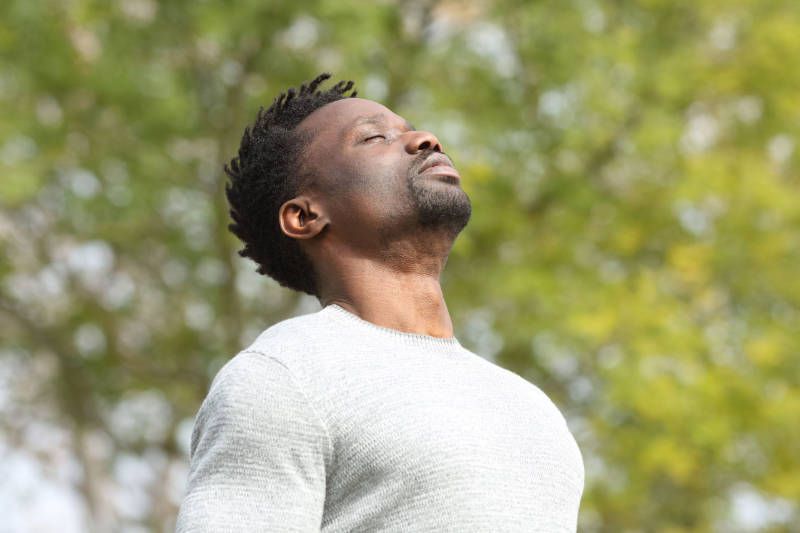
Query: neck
[{"x": 399, "y": 294}]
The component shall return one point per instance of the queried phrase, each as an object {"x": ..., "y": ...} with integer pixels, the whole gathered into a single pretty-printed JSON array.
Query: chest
[{"x": 453, "y": 431}]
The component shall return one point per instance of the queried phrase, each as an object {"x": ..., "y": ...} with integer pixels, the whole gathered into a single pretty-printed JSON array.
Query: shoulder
[
  {"x": 247, "y": 371},
  {"x": 289, "y": 337},
  {"x": 268, "y": 371},
  {"x": 254, "y": 396},
  {"x": 245, "y": 388}
]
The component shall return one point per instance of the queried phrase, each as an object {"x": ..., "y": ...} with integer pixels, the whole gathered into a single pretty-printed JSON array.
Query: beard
[{"x": 439, "y": 206}]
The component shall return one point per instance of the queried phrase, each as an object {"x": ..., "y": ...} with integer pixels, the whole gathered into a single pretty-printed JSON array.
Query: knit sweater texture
[{"x": 330, "y": 423}]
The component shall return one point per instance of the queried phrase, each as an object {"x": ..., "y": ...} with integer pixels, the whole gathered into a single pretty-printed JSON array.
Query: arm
[{"x": 258, "y": 454}]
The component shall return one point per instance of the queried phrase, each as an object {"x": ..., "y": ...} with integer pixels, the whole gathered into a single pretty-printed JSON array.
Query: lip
[{"x": 439, "y": 165}]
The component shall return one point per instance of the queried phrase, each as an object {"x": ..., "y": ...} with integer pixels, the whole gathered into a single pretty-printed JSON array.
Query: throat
[{"x": 404, "y": 301}]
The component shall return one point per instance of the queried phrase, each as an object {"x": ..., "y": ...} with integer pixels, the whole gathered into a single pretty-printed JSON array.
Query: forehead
[{"x": 347, "y": 113}]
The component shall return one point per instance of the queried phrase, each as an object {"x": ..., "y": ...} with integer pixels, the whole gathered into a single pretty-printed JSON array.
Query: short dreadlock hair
[{"x": 267, "y": 173}]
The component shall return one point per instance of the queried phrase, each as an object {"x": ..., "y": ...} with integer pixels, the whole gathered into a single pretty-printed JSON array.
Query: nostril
[{"x": 425, "y": 145}]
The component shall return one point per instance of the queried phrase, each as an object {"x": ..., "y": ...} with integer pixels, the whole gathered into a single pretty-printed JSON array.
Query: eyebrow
[{"x": 379, "y": 119}]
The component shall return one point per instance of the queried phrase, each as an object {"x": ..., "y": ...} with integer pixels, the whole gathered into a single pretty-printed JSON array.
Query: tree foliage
[{"x": 634, "y": 247}]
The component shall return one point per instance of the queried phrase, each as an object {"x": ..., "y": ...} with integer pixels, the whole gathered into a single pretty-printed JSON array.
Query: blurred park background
[{"x": 634, "y": 248}]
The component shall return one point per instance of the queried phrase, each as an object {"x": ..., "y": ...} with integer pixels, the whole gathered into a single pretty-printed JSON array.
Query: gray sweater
[{"x": 331, "y": 423}]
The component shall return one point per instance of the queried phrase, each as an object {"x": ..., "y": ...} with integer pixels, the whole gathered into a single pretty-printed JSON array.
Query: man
[{"x": 367, "y": 415}]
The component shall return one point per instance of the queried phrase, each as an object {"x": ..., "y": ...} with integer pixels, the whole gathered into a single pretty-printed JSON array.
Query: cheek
[
  {"x": 369, "y": 186},
  {"x": 378, "y": 196},
  {"x": 380, "y": 175}
]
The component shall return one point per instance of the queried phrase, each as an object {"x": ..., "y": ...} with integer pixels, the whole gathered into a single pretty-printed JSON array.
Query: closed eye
[{"x": 371, "y": 137}]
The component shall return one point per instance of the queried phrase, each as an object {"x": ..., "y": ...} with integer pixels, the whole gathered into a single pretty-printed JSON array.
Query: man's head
[{"x": 326, "y": 166}]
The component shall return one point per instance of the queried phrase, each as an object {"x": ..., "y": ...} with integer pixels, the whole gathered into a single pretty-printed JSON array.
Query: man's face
[{"x": 378, "y": 174}]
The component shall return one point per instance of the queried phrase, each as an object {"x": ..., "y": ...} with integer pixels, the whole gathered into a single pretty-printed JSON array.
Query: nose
[{"x": 422, "y": 140}]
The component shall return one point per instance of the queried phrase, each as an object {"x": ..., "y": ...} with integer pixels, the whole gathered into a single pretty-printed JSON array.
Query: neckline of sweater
[{"x": 417, "y": 339}]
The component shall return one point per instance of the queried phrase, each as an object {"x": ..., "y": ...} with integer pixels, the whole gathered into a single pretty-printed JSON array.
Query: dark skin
[{"x": 358, "y": 218}]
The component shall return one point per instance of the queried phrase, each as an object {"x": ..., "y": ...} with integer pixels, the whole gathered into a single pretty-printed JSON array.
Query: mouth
[{"x": 439, "y": 165}]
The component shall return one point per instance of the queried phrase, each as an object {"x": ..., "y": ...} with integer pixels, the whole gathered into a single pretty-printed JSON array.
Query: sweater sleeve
[{"x": 258, "y": 453}]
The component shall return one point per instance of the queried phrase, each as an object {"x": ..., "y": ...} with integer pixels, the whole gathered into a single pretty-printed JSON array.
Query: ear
[{"x": 300, "y": 218}]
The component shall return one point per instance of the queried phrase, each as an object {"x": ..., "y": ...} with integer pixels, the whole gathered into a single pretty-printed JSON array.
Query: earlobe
[{"x": 300, "y": 218}]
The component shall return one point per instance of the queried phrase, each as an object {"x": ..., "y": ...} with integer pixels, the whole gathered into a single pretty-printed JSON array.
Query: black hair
[{"x": 267, "y": 173}]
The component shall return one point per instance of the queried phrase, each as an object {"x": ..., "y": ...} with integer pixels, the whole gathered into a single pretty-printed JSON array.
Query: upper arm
[{"x": 258, "y": 453}]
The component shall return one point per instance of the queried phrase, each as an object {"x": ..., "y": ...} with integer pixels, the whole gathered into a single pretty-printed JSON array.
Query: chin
[{"x": 445, "y": 208}]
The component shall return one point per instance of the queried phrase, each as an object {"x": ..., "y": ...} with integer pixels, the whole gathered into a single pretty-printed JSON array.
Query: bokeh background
[{"x": 634, "y": 248}]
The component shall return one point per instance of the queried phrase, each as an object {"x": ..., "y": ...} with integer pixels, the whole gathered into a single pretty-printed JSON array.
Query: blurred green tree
[{"x": 634, "y": 247}]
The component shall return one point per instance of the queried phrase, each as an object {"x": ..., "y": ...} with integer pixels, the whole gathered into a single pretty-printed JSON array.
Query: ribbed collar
[{"x": 415, "y": 339}]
